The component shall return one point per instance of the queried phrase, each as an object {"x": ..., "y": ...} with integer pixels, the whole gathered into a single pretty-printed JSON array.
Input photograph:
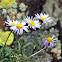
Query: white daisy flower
[
  {"x": 44, "y": 17},
  {"x": 49, "y": 41},
  {"x": 11, "y": 23},
  {"x": 33, "y": 23},
  {"x": 19, "y": 27}
]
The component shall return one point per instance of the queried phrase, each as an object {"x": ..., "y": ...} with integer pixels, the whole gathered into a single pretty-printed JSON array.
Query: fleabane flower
[
  {"x": 11, "y": 22},
  {"x": 49, "y": 41},
  {"x": 44, "y": 17},
  {"x": 19, "y": 28},
  {"x": 33, "y": 23}
]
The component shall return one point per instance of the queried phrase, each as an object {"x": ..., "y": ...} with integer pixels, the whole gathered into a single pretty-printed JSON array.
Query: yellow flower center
[
  {"x": 32, "y": 23},
  {"x": 19, "y": 26},
  {"x": 13, "y": 24},
  {"x": 43, "y": 17},
  {"x": 49, "y": 39}
]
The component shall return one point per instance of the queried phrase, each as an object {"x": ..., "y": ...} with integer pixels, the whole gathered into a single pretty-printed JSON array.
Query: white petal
[
  {"x": 23, "y": 23},
  {"x": 21, "y": 32},
  {"x": 43, "y": 39},
  {"x": 44, "y": 21},
  {"x": 51, "y": 44},
  {"x": 54, "y": 41},
  {"x": 33, "y": 27},
  {"x": 13, "y": 28},
  {"x": 14, "y": 31},
  {"x": 46, "y": 43},
  {"x": 37, "y": 16},
  {"x": 46, "y": 15},
  {"x": 26, "y": 29},
  {"x": 53, "y": 36},
  {"x": 41, "y": 14}
]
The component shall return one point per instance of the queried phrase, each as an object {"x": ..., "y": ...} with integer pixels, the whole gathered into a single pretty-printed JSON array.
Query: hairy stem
[{"x": 37, "y": 52}]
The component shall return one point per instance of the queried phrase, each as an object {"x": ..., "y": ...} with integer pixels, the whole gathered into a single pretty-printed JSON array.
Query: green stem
[
  {"x": 16, "y": 42},
  {"x": 36, "y": 37},
  {"x": 22, "y": 41},
  {"x": 7, "y": 37},
  {"x": 35, "y": 41},
  {"x": 43, "y": 55},
  {"x": 37, "y": 52}
]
